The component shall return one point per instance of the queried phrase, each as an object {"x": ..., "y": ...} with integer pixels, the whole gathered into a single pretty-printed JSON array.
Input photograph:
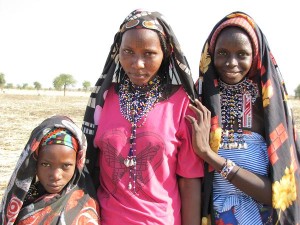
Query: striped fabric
[{"x": 226, "y": 195}]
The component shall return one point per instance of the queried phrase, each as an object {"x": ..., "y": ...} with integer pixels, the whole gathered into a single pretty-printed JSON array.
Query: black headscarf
[{"x": 177, "y": 72}]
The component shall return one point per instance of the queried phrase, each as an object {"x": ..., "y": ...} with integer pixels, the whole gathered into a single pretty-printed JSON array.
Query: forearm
[
  {"x": 256, "y": 186},
  {"x": 190, "y": 193}
]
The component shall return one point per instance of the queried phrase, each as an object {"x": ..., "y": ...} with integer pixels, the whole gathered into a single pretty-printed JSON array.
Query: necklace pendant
[
  {"x": 127, "y": 162},
  {"x": 132, "y": 162},
  {"x": 129, "y": 186},
  {"x": 226, "y": 133},
  {"x": 234, "y": 145}
]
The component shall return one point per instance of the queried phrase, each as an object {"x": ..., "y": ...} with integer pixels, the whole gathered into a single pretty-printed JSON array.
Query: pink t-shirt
[{"x": 163, "y": 150}]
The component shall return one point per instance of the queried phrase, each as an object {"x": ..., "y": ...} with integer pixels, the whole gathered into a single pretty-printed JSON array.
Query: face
[
  {"x": 233, "y": 55},
  {"x": 140, "y": 55},
  {"x": 55, "y": 167}
]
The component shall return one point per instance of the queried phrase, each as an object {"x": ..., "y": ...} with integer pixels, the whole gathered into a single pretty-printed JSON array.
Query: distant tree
[
  {"x": 25, "y": 86},
  {"x": 297, "y": 92},
  {"x": 86, "y": 85},
  {"x": 9, "y": 85},
  {"x": 37, "y": 85},
  {"x": 2, "y": 81},
  {"x": 63, "y": 81}
]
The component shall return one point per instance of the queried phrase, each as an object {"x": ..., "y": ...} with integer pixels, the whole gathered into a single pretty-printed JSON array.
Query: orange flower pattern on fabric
[
  {"x": 215, "y": 134},
  {"x": 205, "y": 60},
  {"x": 284, "y": 191},
  {"x": 267, "y": 93},
  {"x": 206, "y": 220},
  {"x": 215, "y": 139}
]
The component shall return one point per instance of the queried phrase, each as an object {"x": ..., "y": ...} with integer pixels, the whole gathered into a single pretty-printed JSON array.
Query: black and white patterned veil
[{"x": 178, "y": 74}]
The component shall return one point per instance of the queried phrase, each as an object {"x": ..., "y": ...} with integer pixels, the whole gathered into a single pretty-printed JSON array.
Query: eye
[
  {"x": 242, "y": 54},
  {"x": 127, "y": 51},
  {"x": 222, "y": 53},
  {"x": 45, "y": 164},
  {"x": 67, "y": 165},
  {"x": 150, "y": 54}
]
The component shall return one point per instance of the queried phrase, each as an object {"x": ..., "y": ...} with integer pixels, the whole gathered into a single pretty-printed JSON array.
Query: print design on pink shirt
[{"x": 151, "y": 155}]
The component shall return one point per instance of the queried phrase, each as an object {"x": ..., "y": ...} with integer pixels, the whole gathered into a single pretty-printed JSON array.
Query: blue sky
[{"x": 40, "y": 39}]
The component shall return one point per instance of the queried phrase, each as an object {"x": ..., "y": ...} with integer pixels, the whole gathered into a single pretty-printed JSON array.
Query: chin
[
  {"x": 232, "y": 80},
  {"x": 139, "y": 83}
]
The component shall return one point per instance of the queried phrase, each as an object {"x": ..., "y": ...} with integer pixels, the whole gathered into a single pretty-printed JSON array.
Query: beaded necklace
[
  {"x": 135, "y": 103},
  {"x": 35, "y": 191},
  {"x": 236, "y": 105}
]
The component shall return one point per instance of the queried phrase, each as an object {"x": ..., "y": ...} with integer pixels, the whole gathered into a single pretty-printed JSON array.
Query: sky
[{"x": 41, "y": 39}]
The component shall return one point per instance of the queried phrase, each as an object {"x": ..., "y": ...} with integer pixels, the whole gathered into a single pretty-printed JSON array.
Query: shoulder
[
  {"x": 179, "y": 100},
  {"x": 178, "y": 91},
  {"x": 179, "y": 94}
]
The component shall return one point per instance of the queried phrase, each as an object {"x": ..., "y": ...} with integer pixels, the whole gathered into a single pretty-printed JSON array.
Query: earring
[{"x": 227, "y": 63}]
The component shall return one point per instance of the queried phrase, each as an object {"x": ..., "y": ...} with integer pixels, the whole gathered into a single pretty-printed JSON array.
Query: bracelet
[
  {"x": 237, "y": 170},
  {"x": 227, "y": 168}
]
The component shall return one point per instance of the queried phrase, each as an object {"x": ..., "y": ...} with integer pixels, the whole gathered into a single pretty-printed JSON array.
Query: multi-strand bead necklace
[
  {"x": 236, "y": 105},
  {"x": 135, "y": 103}
]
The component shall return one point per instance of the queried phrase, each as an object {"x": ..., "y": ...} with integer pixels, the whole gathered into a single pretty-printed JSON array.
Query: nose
[
  {"x": 56, "y": 174},
  {"x": 138, "y": 62},
  {"x": 232, "y": 61}
]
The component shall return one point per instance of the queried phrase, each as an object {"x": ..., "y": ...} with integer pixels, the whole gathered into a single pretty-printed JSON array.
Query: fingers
[
  {"x": 202, "y": 108},
  {"x": 203, "y": 114},
  {"x": 191, "y": 119}
]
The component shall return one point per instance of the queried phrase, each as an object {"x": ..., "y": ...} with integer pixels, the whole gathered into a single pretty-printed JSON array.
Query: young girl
[
  {"x": 136, "y": 128},
  {"x": 254, "y": 149},
  {"x": 49, "y": 184}
]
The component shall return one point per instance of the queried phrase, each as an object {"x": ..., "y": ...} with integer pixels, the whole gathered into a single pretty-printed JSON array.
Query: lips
[
  {"x": 138, "y": 75},
  {"x": 54, "y": 188},
  {"x": 231, "y": 72}
]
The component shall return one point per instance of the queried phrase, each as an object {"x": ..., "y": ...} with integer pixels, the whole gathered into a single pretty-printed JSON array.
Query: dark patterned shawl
[
  {"x": 76, "y": 203},
  {"x": 178, "y": 72},
  {"x": 280, "y": 131}
]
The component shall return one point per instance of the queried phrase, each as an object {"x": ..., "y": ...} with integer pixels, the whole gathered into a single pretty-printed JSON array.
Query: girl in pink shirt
[{"x": 139, "y": 140}]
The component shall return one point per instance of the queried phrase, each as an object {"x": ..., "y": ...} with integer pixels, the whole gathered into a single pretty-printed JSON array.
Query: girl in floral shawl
[
  {"x": 250, "y": 146},
  {"x": 50, "y": 184}
]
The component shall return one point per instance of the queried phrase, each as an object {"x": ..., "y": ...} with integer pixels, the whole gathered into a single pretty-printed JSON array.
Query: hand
[{"x": 200, "y": 129}]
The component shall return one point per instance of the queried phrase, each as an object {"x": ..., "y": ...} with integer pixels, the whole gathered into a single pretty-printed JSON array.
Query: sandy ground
[
  {"x": 8, "y": 160},
  {"x": 46, "y": 92}
]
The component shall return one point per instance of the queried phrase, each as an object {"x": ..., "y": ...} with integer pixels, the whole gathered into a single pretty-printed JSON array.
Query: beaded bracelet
[{"x": 227, "y": 168}]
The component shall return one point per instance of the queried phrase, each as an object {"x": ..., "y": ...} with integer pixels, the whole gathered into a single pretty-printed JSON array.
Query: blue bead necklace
[
  {"x": 236, "y": 105},
  {"x": 135, "y": 103}
]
